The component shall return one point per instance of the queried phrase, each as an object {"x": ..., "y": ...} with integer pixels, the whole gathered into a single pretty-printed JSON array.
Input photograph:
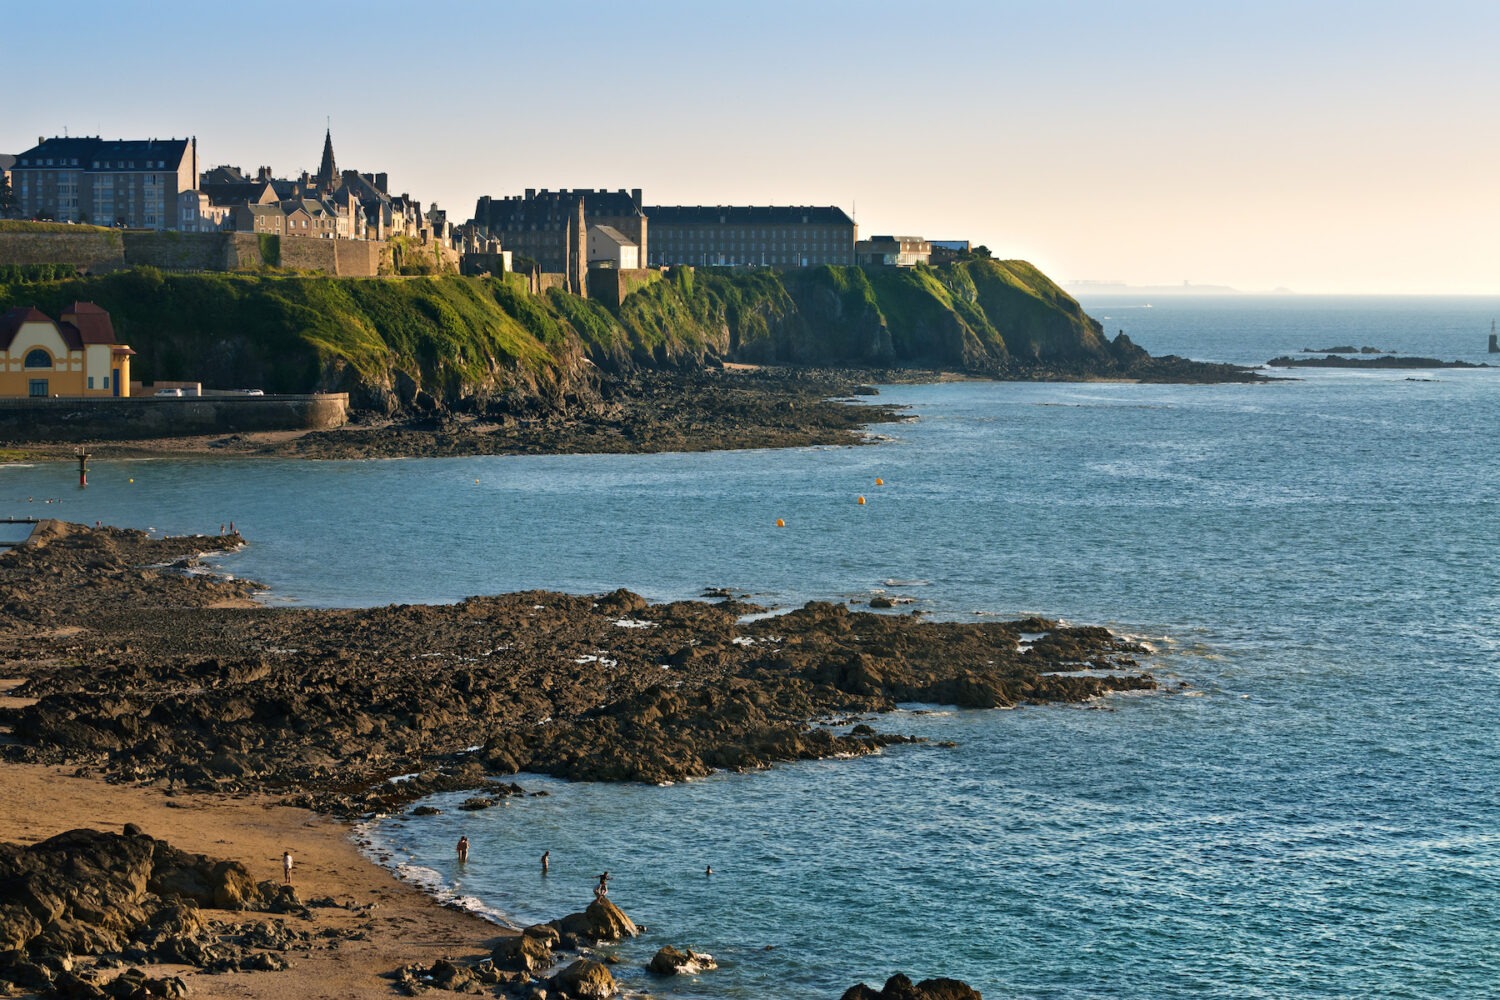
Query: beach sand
[{"x": 405, "y": 925}]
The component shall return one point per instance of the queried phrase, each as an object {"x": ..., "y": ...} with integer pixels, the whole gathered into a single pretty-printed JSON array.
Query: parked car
[
  {"x": 169, "y": 392},
  {"x": 252, "y": 392}
]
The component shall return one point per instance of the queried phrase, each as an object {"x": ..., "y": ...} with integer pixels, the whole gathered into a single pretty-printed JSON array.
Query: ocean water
[{"x": 1315, "y": 814}]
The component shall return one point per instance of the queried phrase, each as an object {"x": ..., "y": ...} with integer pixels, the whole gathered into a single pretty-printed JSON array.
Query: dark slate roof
[
  {"x": 234, "y": 193},
  {"x": 546, "y": 208},
  {"x": 613, "y": 234},
  {"x": 93, "y": 153},
  {"x": 224, "y": 174},
  {"x": 747, "y": 215}
]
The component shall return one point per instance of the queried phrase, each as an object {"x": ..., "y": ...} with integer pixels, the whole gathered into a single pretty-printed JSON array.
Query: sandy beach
[{"x": 381, "y": 925}]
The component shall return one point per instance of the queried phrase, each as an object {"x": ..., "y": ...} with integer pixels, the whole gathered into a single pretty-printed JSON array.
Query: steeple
[{"x": 328, "y": 171}]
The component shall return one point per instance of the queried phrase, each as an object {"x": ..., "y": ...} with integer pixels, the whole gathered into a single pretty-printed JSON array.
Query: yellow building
[{"x": 75, "y": 357}]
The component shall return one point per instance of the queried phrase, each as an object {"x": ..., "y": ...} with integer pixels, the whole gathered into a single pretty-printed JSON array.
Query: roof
[
  {"x": 613, "y": 235},
  {"x": 93, "y": 153},
  {"x": 13, "y": 319},
  {"x": 91, "y": 321},
  {"x": 745, "y": 215},
  {"x": 7, "y": 160},
  {"x": 550, "y": 208},
  {"x": 235, "y": 192}
]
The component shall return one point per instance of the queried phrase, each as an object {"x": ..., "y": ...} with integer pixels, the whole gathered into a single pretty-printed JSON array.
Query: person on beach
[
  {"x": 463, "y": 850},
  {"x": 545, "y": 856},
  {"x": 602, "y": 889},
  {"x": 286, "y": 867}
]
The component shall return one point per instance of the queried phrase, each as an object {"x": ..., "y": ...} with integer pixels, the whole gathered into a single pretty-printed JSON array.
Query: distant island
[{"x": 1384, "y": 361}]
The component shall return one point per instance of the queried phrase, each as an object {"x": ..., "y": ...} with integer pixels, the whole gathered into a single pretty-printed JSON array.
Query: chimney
[
  {"x": 530, "y": 193},
  {"x": 381, "y": 180},
  {"x": 635, "y": 195}
]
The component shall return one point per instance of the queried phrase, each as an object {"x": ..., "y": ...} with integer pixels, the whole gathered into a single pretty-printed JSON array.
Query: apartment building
[{"x": 129, "y": 182}]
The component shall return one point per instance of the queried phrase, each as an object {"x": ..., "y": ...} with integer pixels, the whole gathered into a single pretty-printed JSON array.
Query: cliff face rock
[{"x": 428, "y": 345}]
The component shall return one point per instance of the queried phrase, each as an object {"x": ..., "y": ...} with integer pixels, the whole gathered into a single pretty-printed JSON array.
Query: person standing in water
[
  {"x": 463, "y": 850},
  {"x": 545, "y": 856}
]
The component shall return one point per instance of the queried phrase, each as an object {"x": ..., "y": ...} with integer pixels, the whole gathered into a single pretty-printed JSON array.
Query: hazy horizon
[{"x": 1318, "y": 147}]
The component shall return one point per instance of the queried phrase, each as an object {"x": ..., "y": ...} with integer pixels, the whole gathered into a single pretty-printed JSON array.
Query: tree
[{"x": 7, "y": 197}]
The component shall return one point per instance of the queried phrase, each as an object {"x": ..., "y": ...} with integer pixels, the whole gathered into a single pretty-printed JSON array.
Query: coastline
[
  {"x": 197, "y": 725},
  {"x": 381, "y": 924}
]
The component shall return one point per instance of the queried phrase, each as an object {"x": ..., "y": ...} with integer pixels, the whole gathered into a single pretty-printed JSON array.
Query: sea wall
[{"x": 122, "y": 419}]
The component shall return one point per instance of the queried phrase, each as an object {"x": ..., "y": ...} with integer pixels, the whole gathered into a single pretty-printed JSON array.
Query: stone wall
[
  {"x": 99, "y": 252},
  {"x": 88, "y": 250},
  {"x": 110, "y": 419},
  {"x": 611, "y": 286}
]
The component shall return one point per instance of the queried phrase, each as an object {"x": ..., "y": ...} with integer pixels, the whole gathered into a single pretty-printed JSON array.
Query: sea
[{"x": 1307, "y": 808}]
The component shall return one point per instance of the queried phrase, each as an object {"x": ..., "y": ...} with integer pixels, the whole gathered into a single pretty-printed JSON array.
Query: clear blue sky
[{"x": 1320, "y": 146}]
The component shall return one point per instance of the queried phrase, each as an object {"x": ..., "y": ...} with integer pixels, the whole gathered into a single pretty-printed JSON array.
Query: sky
[{"x": 1316, "y": 146}]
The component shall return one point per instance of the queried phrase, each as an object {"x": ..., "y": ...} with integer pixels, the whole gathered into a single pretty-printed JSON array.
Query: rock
[
  {"x": 670, "y": 961},
  {"x": 899, "y": 987},
  {"x": 585, "y": 979},
  {"x": 525, "y": 952},
  {"x": 882, "y": 602},
  {"x": 602, "y": 921}
]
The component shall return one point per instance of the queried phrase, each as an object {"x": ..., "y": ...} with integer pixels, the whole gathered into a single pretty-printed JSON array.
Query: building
[
  {"x": 747, "y": 235},
  {"x": 608, "y": 247},
  {"x": 541, "y": 224},
  {"x": 75, "y": 357},
  {"x": 266, "y": 219},
  {"x": 127, "y": 182},
  {"x": 947, "y": 251},
  {"x": 892, "y": 251}
]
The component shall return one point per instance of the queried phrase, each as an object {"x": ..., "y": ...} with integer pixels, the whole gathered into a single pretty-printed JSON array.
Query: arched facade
[{"x": 78, "y": 356}]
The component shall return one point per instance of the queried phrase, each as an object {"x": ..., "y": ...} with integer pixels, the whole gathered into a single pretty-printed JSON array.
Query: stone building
[
  {"x": 75, "y": 357},
  {"x": 748, "y": 235},
  {"x": 608, "y": 247},
  {"x": 544, "y": 225},
  {"x": 892, "y": 251},
  {"x": 129, "y": 182}
]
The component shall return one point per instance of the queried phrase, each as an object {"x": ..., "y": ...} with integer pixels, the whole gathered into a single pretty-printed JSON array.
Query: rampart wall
[
  {"x": 611, "y": 286},
  {"x": 100, "y": 252}
]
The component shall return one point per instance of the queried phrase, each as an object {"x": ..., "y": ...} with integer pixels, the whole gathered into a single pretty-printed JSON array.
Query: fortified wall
[
  {"x": 99, "y": 252},
  {"x": 111, "y": 419},
  {"x": 610, "y": 286}
]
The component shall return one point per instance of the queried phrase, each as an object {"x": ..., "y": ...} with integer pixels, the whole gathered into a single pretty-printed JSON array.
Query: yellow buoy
[
  {"x": 780, "y": 523},
  {"x": 879, "y": 481},
  {"x": 476, "y": 482},
  {"x": 132, "y": 480},
  {"x": 861, "y": 501}
]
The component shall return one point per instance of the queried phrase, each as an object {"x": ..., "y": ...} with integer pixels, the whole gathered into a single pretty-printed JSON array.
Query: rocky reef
[{"x": 140, "y": 670}]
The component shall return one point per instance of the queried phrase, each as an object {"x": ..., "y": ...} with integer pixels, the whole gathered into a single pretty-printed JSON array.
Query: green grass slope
[{"x": 387, "y": 339}]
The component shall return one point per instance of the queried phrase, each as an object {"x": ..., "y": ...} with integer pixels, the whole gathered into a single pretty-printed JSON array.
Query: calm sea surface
[{"x": 1315, "y": 815}]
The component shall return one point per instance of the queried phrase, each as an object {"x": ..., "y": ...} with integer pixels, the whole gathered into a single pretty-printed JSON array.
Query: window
[
  {"x": 91, "y": 381},
  {"x": 38, "y": 358},
  {"x": 106, "y": 381},
  {"x": 36, "y": 387}
]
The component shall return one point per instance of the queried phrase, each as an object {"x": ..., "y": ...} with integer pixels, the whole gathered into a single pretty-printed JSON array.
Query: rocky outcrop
[
  {"x": 128, "y": 895},
  {"x": 585, "y": 979},
  {"x": 529, "y": 952},
  {"x": 326, "y": 704},
  {"x": 602, "y": 921},
  {"x": 899, "y": 987},
  {"x": 670, "y": 961}
]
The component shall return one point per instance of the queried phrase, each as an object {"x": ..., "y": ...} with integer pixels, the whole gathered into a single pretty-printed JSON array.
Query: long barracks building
[{"x": 749, "y": 235}]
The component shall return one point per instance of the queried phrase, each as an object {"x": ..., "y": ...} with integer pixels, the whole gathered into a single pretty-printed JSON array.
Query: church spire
[{"x": 328, "y": 171}]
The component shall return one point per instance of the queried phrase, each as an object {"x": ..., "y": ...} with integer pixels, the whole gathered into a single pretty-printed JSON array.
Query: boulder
[
  {"x": 525, "y": 952},
  {"x": 670, "y": 961},
  {"x": 899, "y": 987},
  {"x": 602, "y": 921},
  {"x": 585, "y": 979}
]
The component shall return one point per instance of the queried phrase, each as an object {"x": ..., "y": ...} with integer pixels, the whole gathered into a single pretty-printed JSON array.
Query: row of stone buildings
[{"x": 156, "y": 184}]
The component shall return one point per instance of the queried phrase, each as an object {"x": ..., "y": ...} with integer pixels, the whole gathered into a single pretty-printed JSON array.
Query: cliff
[{"x": 433, "y": 342}]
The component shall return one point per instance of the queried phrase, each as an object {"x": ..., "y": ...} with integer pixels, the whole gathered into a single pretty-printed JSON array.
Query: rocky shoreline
[
  {"x": 129, "y": 663},
  {"x": 712, "y": 409}
]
